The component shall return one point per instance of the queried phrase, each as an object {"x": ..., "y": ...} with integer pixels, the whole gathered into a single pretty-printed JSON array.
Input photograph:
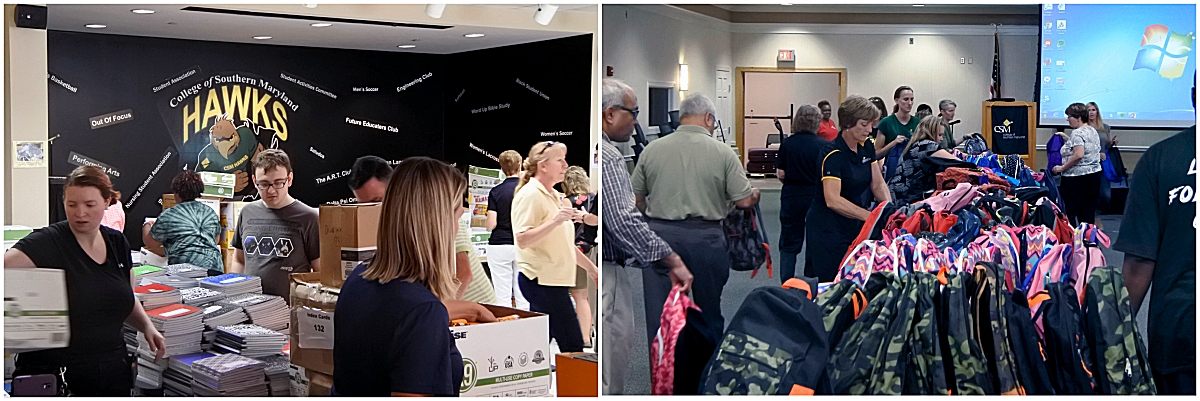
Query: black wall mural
[
  {"x": 146, "y": 108},
  {"x": 515, "y": 96}
]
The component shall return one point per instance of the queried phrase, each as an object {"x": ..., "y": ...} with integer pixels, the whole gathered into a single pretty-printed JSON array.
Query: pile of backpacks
[{"x": 964, "y": 293}]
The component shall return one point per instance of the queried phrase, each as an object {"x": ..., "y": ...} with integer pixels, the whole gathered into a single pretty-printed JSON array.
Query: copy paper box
[
  {"x": 577, "y": 374},
  {"x": 506, "y": 359},
  {"x": 347, "y": 238},
  {"x": 307, "y": 383},
  {"x": 218, "y": 184},
  {"x": 307, "y": 291},
  {"x": 35, "y": 310}
]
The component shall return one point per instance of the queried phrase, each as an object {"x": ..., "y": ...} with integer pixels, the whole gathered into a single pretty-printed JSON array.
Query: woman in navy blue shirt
[
  {"x": 799, "y": 168},
  {"x": 392, "y": 329}
]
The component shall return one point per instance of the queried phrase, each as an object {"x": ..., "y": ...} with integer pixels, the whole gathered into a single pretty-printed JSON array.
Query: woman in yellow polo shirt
[{"x": 545, "y": 239}]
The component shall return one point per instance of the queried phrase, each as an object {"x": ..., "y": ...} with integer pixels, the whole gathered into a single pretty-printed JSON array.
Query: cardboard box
[
  {"x": 348, "y": 237},
  {"x": 218, "y": 184},
  {"x": 168, "y": 201},
  {"x": 307, "y": 291},
  {"x": 577, "y": 374},
  {"x": 505, "y": 359},
  {"x": 307, "y": 383},
  {"x": 35, "y": 310},
  {"x": 230, "y": 211}
]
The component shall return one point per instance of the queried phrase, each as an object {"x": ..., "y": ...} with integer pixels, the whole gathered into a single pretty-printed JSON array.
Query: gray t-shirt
[{"x": 278, "y": 242}]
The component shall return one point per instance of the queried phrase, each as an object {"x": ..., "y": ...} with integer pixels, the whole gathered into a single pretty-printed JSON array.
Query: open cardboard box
[
  {"x": 348, "y": 237},
  {"x": 307, "y": 291},
  {"x": 506, "y": 359}
]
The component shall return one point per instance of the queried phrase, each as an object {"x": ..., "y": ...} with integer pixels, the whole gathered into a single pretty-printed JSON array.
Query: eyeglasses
[
  {"x": 549, "y": 144},
  {"x": 262, "y": 186},
  {"x": 634, "y": 112}
]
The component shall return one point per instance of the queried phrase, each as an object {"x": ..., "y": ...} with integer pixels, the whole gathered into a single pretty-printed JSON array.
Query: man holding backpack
[
  {"x": 686, "y": 183},
  {"x": 1158, "y": 237}
]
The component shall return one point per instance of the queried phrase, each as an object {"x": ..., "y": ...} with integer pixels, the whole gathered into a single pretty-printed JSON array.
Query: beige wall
[{"x": 26, "y": 190}]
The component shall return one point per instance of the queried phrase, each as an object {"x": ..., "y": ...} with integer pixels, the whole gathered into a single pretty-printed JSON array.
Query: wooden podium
[{"x": 1011, "y": 128}]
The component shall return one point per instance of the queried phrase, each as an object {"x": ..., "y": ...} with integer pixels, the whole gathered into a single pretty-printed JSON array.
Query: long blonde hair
[
  {"x": 576, "y": 182},
  {"x": 417, "y": 226},
  {"x": 926, "y": 129},
  {"x": 537, "y": 154},
  {"x": 1098, "y": 122}
]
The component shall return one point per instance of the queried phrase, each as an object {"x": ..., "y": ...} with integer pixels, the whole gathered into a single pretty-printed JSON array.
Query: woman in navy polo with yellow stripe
[{"x": 848, "y": 171}]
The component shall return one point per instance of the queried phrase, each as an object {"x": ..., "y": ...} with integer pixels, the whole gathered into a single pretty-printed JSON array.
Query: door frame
[{"x": 739, "y": 77}]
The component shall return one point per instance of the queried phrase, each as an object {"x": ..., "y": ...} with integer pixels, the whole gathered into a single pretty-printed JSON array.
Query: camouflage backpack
[
  {"x": 966, "y": 367},
  {"x": 856, "y": 355},
  {"x": 991, "y": 327},
  {"x": 776, "y": 344},
  {"x": 1117, "y": 350},
  {"x": 925, "y": 373},
  {"x": 841, "y": 305}
]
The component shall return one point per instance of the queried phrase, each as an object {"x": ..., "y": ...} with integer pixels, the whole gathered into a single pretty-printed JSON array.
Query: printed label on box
[
  {"x": 316, "y": 328},
  {"x": 299, "y": 381},
  {"x": 351, "y": 257},
  {"x": 506, "y": 358}
]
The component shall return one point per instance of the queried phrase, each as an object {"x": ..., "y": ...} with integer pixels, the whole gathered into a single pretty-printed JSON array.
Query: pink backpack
[
  {"x": 1049, "y": 270},
  {"x": 955, "y": 199},
  {"x": 662, "y": 350},
  {"x": 1086, "y": 255}
]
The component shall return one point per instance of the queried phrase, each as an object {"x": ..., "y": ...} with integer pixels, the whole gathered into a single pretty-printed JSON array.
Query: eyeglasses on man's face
[
  {"x": 633, "y": 112},
  {"x": 278, "y": 184}
]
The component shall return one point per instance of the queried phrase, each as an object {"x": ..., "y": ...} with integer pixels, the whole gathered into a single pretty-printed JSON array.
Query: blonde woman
[
  {"x": 545, "y": 240},
  {"x": 578, "y": 189},
  {"x": 392, "y": 333},
  {"x": 915, "y": 177}
]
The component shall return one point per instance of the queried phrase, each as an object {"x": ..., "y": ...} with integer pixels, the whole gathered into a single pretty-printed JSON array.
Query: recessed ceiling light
[
  {"x": 406, "y": 46},
  {"x": 262, "y": 37},
  {"x": 321, "y": 24},
  {"x": 787, "y": 4},
  {"x": 142, "y": 11},
  {"x": 918, "y": 5},
  {"x": 311, "y": 5},
  {"x": 96, "y": 26},
  {"x": 474, "y": 35}
]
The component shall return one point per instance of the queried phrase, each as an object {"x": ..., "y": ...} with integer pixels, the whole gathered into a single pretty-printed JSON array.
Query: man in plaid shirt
[{"x": 626, "y": 236}]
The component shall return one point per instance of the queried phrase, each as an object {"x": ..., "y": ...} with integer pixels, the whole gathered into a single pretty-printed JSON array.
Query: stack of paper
[
  {"x": 177, "y": 378},
  {"x": 229, "y": 375},
  {"x": 200, "y": 296},
  {"x": 187, "y": 270},
  {"x": 146, "y": 271},
  {"x": 149, "y": 371},
  {"x": 269, "y": 311},
  {"x": 154, "y": 296},
  {"x": 181, "y": 325},
  {"x": 277, "y": 375},
  {"x": 233, "y": 284},
  {"x": 178, "y": 282},
  {"x": 220, "y": 314},
  {"x": 131, "y": 338},
  {"x": 249, "y": 340}
]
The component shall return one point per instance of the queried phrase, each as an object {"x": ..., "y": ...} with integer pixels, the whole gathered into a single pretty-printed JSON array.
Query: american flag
[{"x": 995, "y": 88}]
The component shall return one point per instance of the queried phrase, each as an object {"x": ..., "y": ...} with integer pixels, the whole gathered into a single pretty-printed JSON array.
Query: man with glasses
[
  {"x": 277, "y": 235},
  {"x": 686, "y": 184},
  {"x": 626, "y": 237}
]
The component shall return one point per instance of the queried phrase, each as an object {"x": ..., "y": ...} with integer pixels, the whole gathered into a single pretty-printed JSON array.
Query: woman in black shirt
[
  {"x": 100, "y": 299},
  {"x": 799, "y": 168},
  {"x": 848, "y": 172}
]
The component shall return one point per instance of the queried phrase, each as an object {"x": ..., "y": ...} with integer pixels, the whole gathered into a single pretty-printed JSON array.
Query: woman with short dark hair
[
  {"x": 189, "y": 231},
  {"x": 798, "y": 166},
  {"x": 1081, "y": 173}
]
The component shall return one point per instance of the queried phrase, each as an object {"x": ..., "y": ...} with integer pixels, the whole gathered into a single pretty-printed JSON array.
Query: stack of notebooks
[
  {"x": 270, "y": 311},
  {"x": 233, "y": 284},
  {"x": 200, "y": 296},
  {"x": 131, "y": 338},
  {"x": 179, "y": 282},
  {"x": 187, "y": 270},
  {"x": 177, "y": 379},
  {"x": 149, "y": 372},
  {"x": 277, "y": 375},
  {"x": 181, "y": 325},
  {"x": 248, "y": 340},
  {"x": 229, "y": 375},
  {"x": 154, "y": 296},
  {"x": 146, "y": 271},
  {"x": 220, "y": 314}
]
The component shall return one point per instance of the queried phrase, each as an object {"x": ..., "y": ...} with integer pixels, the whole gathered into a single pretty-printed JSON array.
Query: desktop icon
[
  {"x": 1062, "y": 63},
  {"x": 1062, "y": 24},
  {"x": 1047, "y": 6},
  {"x": 1132, "y": 115},
  {"x": 1046, "y": 98},
  {"x": 1048, "y": 25},
  {"x": 1060, "y": 81},
  {"x": 1062, "y": 7},
  {"x": 1062, "y": 43},
  {"x": 1120, "y": 114},
  {"x": 1046, "y": 79},
  {"x": 1047, "y": 43},
  {"x": 1046, "y": 61}
]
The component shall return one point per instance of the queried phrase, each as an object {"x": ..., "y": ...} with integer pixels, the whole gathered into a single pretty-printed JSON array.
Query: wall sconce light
[
  {"x": 434, "y": 10},
  {"x": 683, "y": 77}
]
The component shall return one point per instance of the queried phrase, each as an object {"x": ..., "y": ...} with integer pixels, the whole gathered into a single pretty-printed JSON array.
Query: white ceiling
[
  {"x": 170, "y": 21},
  {"x": 798, "y": 7}
]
